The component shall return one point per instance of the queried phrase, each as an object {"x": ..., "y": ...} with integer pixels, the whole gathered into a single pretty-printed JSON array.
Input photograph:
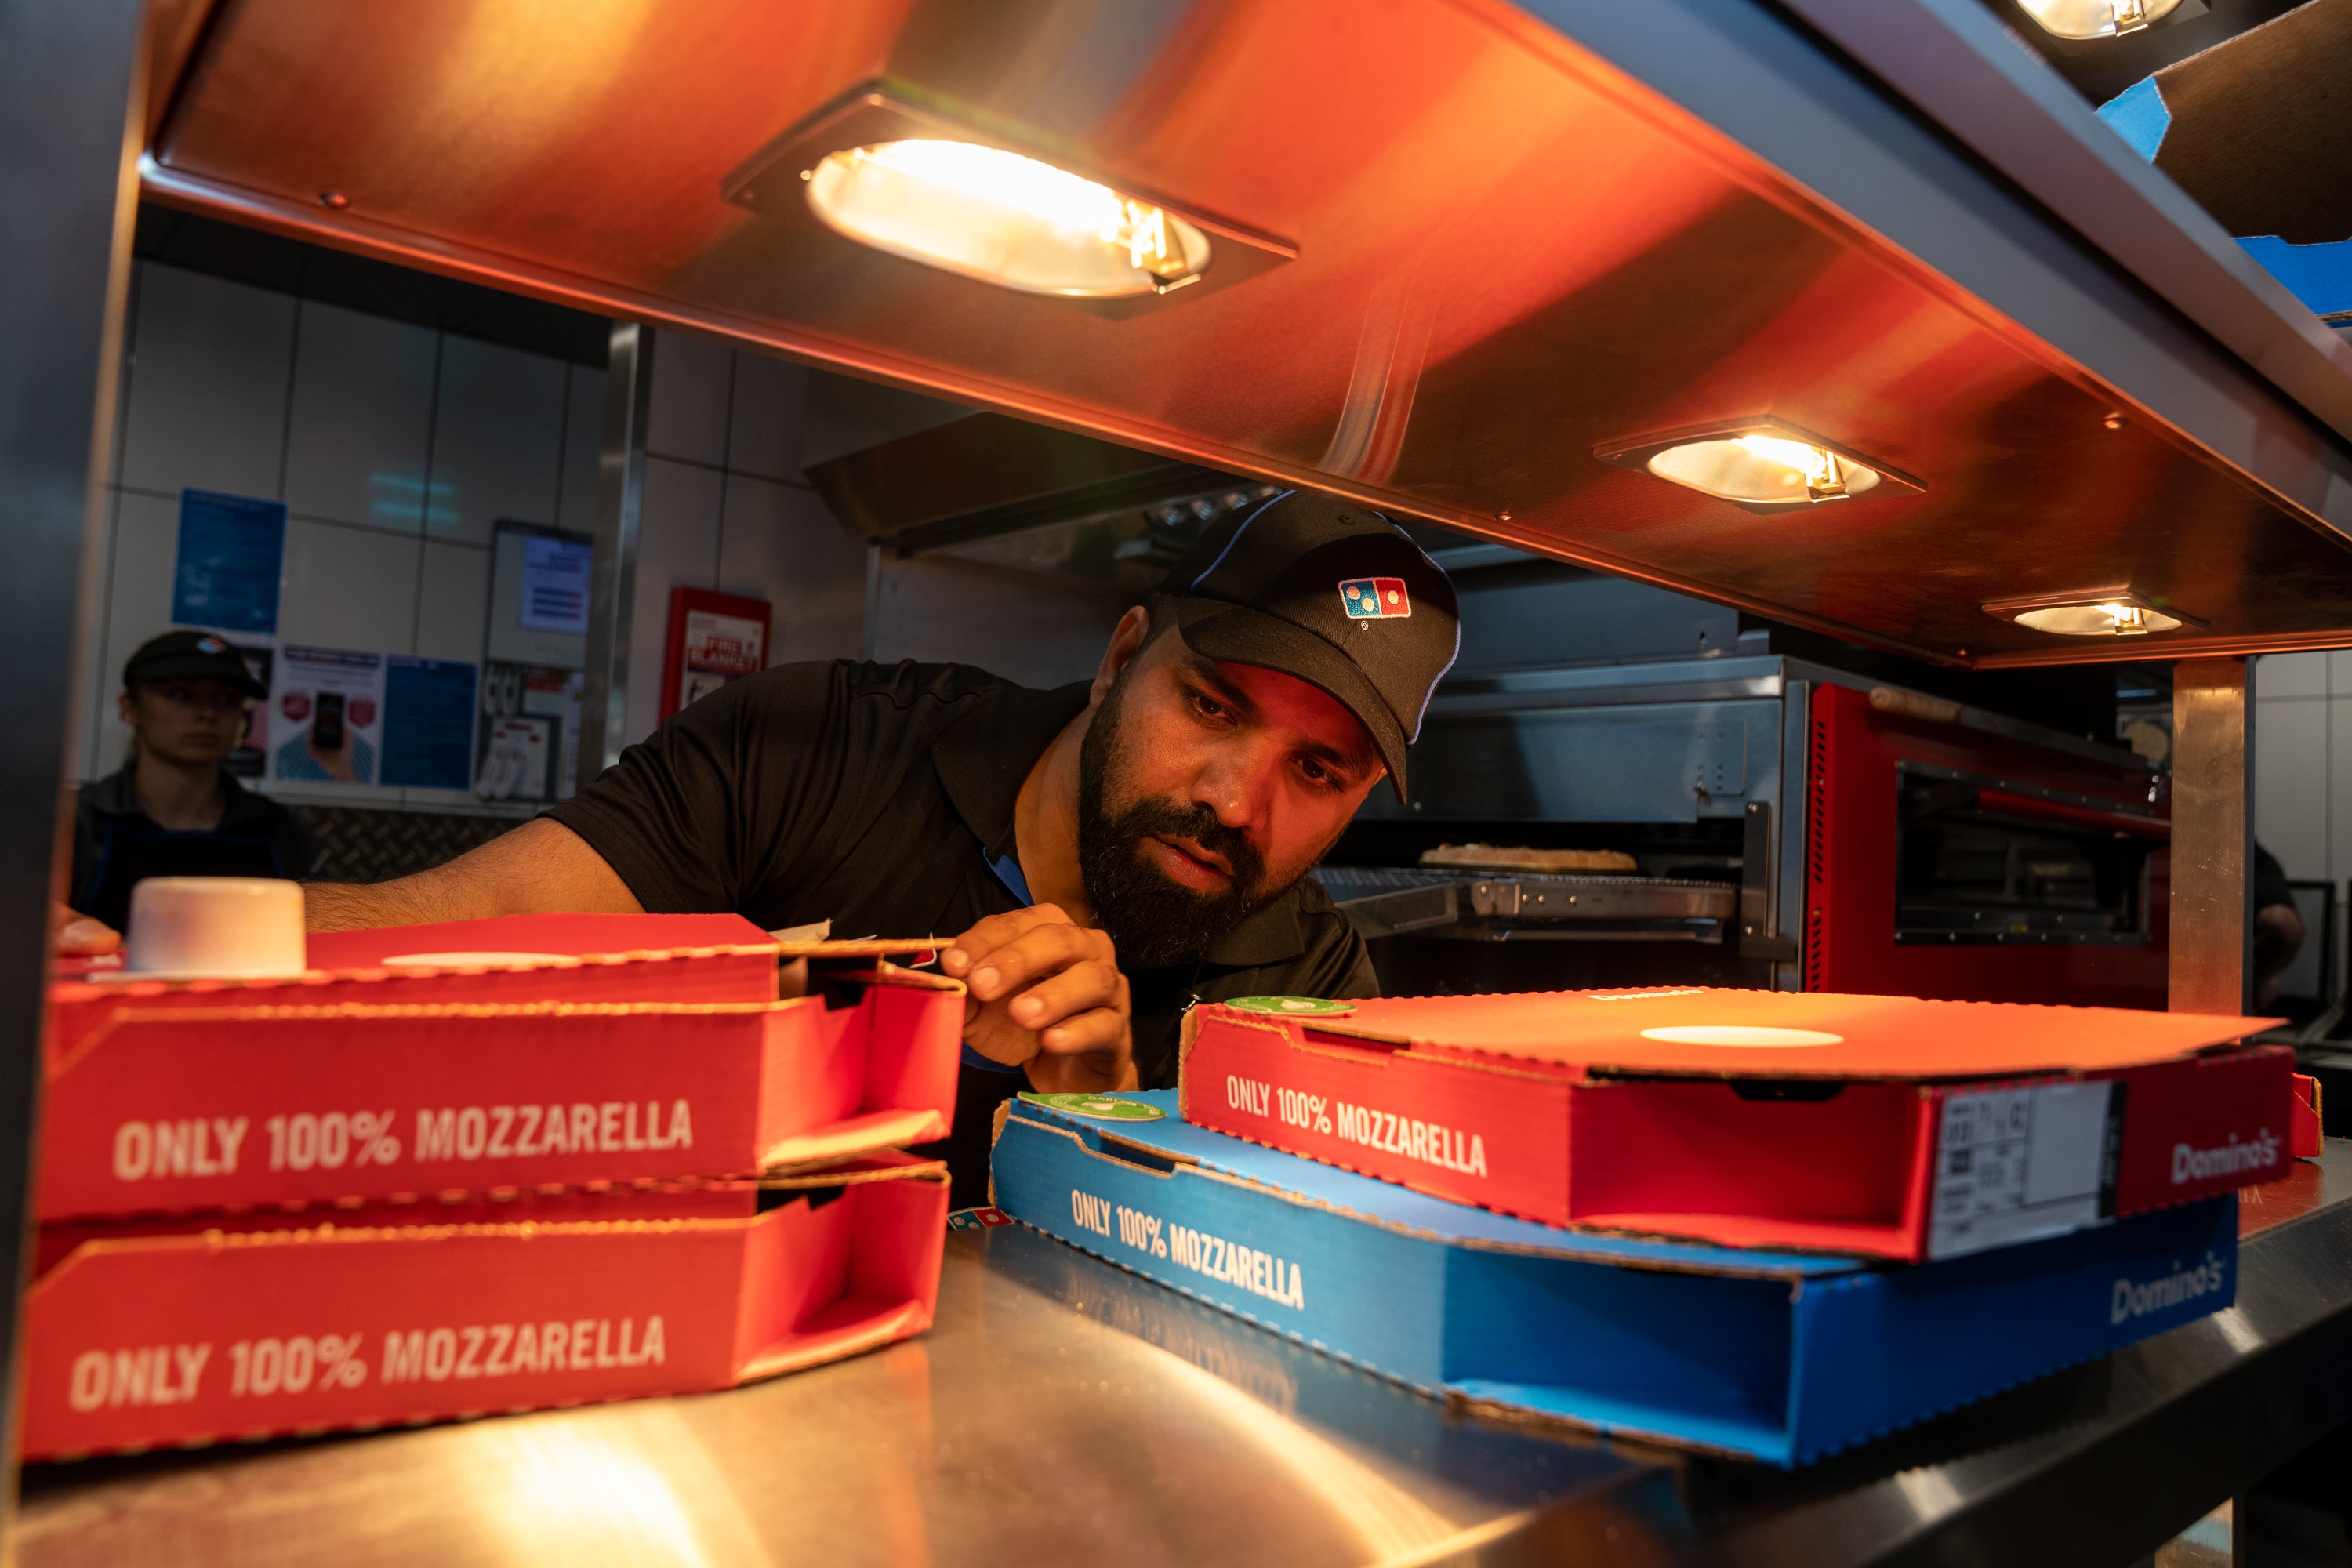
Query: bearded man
[{"x": 1108, "y": 854}]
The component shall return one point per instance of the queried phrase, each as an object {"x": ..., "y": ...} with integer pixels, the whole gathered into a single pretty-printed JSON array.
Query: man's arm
[
  {"x": 2278, "y": 938},
  {"x": 2278, "y": 926},
  {"x": 541, "y": 868}
]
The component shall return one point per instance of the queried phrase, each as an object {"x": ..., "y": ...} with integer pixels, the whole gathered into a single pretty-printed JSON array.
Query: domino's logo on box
[{"x": 1375, "y": 598}]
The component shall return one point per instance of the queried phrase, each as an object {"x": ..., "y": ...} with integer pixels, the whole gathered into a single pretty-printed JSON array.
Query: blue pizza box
[{"x": 1783, "y": 1357}]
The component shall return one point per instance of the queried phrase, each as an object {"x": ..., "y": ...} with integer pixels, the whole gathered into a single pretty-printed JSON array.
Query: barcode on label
[{"x": 2017, "y": 1164}]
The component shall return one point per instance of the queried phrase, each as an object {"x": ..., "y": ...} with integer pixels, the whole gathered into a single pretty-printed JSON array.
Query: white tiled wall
[
  {"x": 497, "y": 439},
  {"x": 210, "y": 364},
  {"x": 765, "y": 425},
  {"x": 776, "y": 538},
  {"x": 693, "y": 390},
  {"x": 934, "y": 608},
  {"x": 359, "y": 432},
  {"x": 727, "y": 507},
  {"x": 678, "y": 544},
  {"x": 349, "y": 587},
  {"x": 395, "y": 447},
  {"x": 453, "y": 601}
]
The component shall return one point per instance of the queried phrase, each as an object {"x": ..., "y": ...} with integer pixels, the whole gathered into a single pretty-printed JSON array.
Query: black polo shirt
[
  {"x": 116, "y": 843},
  {"x": 878, "y": 797}
]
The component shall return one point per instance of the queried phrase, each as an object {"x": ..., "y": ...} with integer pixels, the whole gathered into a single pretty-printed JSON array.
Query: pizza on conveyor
[{"x": 1506, "y": 858}]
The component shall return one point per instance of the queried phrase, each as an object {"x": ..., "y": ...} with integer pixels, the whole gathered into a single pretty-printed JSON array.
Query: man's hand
[
  {"x": 79, "y": 936},
  {"x": 1047, "y": 995}
]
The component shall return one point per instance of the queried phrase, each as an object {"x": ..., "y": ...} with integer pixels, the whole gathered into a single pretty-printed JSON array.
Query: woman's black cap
[
  {"x": 188, "y": 655},
  {"x": 1331, "y": 593}
]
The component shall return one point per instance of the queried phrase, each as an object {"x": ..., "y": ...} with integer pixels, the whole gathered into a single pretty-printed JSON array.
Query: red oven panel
[{"x": 1868, "y": 773}]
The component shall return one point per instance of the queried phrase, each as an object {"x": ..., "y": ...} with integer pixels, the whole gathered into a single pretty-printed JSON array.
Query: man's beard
[{"x": 1153, "y": 920}]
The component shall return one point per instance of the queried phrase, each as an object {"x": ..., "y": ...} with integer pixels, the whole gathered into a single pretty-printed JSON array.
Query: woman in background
[{"x": 173, "y": 810}]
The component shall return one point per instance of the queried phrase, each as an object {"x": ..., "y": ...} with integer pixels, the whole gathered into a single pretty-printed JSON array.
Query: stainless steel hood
[
  {"x": 985, "y": 475},
  {"x": 1492, "y": 245}
]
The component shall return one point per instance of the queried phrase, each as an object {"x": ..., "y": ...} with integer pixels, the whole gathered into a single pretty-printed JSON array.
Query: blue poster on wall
[
  {"x": 232, "y": 554},
  {"x": 429, "y": 723}
]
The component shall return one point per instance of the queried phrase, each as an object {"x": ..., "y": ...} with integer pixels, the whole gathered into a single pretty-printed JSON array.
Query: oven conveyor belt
[{"x": 1385, "y": 901}]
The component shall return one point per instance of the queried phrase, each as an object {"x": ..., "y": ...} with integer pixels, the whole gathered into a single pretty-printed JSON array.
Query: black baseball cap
[
  {"x": 186, "y": 655},
  {"x": 1331, "y": 593}
]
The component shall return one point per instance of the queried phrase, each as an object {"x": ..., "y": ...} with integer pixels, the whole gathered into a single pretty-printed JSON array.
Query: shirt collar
[
  {"x": 115, "y": 797},
  {"x": 984, "y": 757},
  {"x": 984, "y": 754}
]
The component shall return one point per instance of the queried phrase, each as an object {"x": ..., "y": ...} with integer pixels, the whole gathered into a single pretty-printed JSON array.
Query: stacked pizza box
[
  {"x": 1765, "y": 1222},
  {"x": 489, "y": 1166}
]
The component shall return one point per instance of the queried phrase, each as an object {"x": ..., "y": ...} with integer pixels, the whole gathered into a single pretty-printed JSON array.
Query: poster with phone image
[{"x": 326, "y": 705}]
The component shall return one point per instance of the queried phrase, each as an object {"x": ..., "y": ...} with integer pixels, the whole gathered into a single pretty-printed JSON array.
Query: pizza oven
[{"x": 1690, "y": 799}]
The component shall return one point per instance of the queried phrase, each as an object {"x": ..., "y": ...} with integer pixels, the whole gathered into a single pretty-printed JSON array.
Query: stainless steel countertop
[{"x": 1066, "y": 1411}]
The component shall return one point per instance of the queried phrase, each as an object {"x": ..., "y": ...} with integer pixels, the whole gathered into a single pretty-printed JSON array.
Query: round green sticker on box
[
  {"x": 1291, "y": 1006},
  {"x": 1101, "y": 1107}
]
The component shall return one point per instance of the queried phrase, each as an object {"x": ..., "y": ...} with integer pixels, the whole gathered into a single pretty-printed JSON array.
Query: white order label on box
[{"x": 2017, "y": 1164}]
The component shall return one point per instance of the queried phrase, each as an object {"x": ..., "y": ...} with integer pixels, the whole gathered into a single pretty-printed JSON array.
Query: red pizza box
[
  {"x": 515, "y": 958},
  {"x": 1884, "y": 1126},
  {"x": 139, "y": 1336},
  {"x": 173, "y": 1109}
]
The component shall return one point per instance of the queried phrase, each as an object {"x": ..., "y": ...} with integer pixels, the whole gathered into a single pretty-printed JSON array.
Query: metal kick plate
[
  {"x": 1534, "y": 897},
  {"x": 1600, "y": 898}
]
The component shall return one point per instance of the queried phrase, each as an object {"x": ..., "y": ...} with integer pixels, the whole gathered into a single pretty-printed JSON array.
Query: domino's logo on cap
[
  {"x": 1375, "y": 598},
  {"x": 1256, "y": 589},
  {"x": 211, "y": 645}
]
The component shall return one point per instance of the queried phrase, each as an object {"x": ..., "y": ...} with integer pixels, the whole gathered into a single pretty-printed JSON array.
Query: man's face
[
  {"x": 191, "y": 720},
  {"x": 1204, "y": 791}
]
